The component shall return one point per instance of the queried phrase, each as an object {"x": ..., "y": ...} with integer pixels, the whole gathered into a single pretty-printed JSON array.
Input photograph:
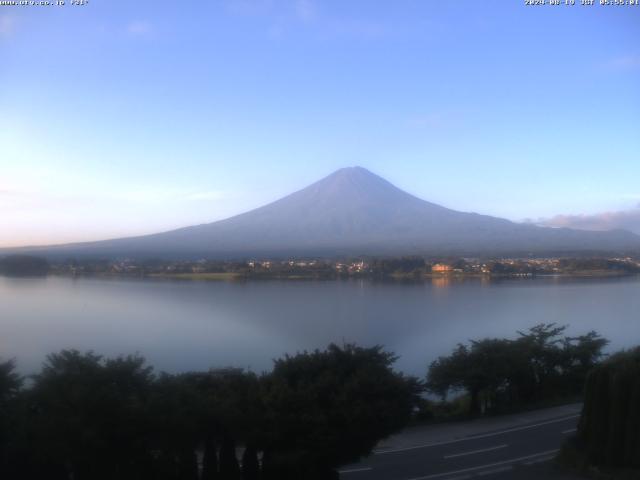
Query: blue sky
[{"x": 121, "y": 118}]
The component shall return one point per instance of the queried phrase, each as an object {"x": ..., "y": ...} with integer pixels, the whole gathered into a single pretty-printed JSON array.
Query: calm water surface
[{"x": 181, "y": 325}]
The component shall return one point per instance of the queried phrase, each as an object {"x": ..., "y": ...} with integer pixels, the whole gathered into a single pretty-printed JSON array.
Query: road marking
[
  {"x": 538, "y": 460},
  {"x": 355, "y": 470},
  {"x": 482, "y": 467},
  {"x": 496, "y": 470},
  {"x": 455, "y": 455},
  {"x": 474, "y": 437},
  {"x": 571, "y": 430}
]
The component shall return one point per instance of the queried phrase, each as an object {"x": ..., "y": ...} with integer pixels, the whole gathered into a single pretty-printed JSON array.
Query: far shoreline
[{"x": 394, "y": 278}]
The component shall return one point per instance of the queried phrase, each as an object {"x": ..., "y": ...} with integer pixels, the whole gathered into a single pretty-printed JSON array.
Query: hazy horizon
[
  {"x": 581, "y": 222},
  {"x": 132, "y": 119},
  {"x": 561, "y": 221}
]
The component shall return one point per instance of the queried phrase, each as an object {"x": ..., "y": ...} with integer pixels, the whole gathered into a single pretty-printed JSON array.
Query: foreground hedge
[
  {"x": 609, "y": 429},
  {"x": 85, "y": 417}
]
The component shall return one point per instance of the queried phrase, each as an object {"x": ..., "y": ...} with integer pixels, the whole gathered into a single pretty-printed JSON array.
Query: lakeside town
[{"x": 399, "y": 268}]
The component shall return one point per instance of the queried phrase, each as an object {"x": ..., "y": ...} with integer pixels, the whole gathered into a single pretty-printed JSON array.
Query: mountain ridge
[{"x": 350, "y": 212}]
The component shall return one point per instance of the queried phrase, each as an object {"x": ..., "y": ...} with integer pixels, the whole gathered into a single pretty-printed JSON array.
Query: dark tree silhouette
[
  {"x": 90, "y": 418},
  {"x": 23, "y": 265},
  {"x": 209, "y": 460},
  {"x": 10, "y": 384},
  {"x": 250, "y": 465},
  {"x": 539, "y": 365},
  {"x": 609, "y": 428},
  {"x": 229, "y": 466},
  {"x": 327, "y": 408}
]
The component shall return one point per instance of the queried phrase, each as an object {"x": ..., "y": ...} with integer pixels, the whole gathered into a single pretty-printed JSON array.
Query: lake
[{"x": 182, "y": 325}]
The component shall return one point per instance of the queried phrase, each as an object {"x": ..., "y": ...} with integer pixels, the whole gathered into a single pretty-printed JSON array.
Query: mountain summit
[{"x": 353, "y": 212}]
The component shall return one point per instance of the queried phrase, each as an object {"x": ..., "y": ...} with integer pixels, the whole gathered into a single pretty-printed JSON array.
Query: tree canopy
[
  {"x": 540, "y": 364},
  {"x": 99, "y": 418},
  {"x": 609, "y": 428}
]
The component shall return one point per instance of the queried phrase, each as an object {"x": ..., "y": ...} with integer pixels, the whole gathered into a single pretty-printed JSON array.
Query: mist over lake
[{"x": 183, "y": 325}]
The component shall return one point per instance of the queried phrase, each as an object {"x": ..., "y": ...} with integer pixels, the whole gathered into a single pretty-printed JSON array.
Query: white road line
[
  {"x": 496, "y": 470},
  {"x": 482, "y": 467},
  {"x": 455, "y": 455},
  {"x": 474, "y": 437},
  {"x": 355, "y": 470},
  {"x": 571, "y": 430},
  {"x": 538, "y": 460}
]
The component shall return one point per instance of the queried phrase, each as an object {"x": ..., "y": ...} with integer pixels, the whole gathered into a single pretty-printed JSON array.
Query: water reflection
[{"x": 184, "y": 325}]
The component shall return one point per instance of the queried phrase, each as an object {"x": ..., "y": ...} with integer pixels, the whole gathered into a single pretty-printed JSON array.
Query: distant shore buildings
[{"x": 441, "y": 268}]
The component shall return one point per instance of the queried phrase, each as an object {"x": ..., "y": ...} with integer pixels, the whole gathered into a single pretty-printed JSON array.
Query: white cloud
[
  {"x": 628, "y": 62},
  {"x": 622, "y": 219},
  {"x": 7, "y": 25},
  {"x": 140, "y": 27},
  {"x": 305, "y": 10}
]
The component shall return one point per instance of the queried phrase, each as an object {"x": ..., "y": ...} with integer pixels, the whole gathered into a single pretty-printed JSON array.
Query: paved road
[{"x": 510, "y": 447}]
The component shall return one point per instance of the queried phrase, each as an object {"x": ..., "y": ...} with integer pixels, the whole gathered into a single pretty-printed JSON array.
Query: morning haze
[
  {"x": 353, "y": 212},
  {"x": 319, "y": 240},
  {"x": 170, "y": 117}
]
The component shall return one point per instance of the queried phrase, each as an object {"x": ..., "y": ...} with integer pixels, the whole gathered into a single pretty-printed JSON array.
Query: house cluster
[
  {"x": 441, "y": 268},
  {"x": 515, "y": 266},
  {"x": 414, "y": 266},
  {"x": 531, "y": 266},
  {"x": 353, "y": 267}
]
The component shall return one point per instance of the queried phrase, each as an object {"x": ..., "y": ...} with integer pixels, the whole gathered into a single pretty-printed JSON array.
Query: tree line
[
  {"x": 88, "y": 417},
  {"x": 23, "y": 265},
  {"x": 83, "y": 416},
  {"x": 540, "y": 365},
  {"x": 609, "y": 429}
]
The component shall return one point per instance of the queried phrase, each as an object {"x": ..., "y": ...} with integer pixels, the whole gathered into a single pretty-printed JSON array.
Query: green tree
[
  {"x": 10, "y": 384},
  {"x": 209, "y": 459},
  {"x": 250, "y": 464},
  {"x": 609, "y": 427},
  {"x": 487, "y": 371},
  {"x": 229, "y": 466},
  {"x": 327, "y": 408},
  {"x": 496, "y": 373},
  {"x": 581, "y": 355},
  {"x": 23, "y": 265},
  {"x": 89, "y": 416},
  {"x": 10, "y": 381}
]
